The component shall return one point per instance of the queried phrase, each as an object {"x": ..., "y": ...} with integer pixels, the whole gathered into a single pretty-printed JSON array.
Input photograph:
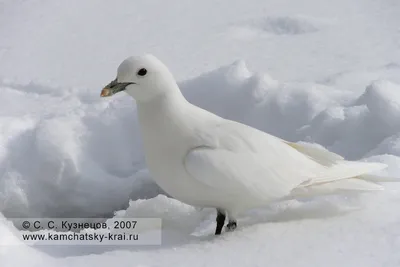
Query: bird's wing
[
  {"x": 239, "y": 173},
  {"x": 237, "y": 159},
  {"x": 316, "y": 153}
]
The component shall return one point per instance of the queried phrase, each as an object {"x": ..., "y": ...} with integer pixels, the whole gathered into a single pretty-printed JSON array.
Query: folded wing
[{"x": 242, "y": 160}]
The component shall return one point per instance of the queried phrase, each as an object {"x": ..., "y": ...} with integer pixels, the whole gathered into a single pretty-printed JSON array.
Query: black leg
[
  {"x": 220, "y": 222},
  {"x": 231, "y": 226}
]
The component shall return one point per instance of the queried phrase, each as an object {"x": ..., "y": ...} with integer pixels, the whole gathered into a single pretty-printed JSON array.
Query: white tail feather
[
  {"x": 336, "y": 187},
  {"x": 378, "y": 179},
  {"x": 341, "y": 175},
  {"x": 316, "y": 152}
]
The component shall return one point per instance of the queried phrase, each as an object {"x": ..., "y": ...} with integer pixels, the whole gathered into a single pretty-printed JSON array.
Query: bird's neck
[
  {"x": 163, "y": 122},
  {"x": 172, "y": 101},
  {"x": 163, "y": 112}
]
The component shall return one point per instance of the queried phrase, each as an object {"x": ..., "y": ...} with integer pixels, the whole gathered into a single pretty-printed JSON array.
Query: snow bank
[
  {"x": 59, "y": 156},
  {"x": 66, "y": 152},
  {"x": 11, "y": 248}
]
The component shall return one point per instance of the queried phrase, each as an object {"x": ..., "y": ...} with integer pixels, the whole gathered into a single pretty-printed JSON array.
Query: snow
[{"x": 320, "y": 71}]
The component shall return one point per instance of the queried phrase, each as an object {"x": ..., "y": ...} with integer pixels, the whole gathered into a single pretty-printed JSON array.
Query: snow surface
[{"x": 320, "y": 71}]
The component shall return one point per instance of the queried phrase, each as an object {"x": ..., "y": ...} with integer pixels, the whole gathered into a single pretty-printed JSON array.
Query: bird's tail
[
  {"x": 340, "y": 175},
  {"x": 350, "y": 177}
]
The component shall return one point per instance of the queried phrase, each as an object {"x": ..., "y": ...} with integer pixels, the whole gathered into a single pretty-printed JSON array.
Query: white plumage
[{"x": 207, "y": 161}]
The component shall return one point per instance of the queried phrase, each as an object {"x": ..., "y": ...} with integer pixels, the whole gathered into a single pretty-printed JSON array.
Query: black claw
[
  {"x": 231, "y": 226},
  {"x": 220, "y": 222}
]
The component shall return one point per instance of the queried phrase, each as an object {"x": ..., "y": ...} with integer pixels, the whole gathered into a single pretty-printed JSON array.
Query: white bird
[{"x": 207, "y": 161}]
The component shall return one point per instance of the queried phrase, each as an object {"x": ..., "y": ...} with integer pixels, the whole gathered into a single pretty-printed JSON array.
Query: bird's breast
[{"x": 167, "y": 138}]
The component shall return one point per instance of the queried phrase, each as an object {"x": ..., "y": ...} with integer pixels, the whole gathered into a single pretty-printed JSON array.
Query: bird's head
[{"x": 142, "y": 77}]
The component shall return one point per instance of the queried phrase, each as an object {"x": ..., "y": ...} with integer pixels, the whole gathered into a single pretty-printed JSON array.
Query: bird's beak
[{"x": 113, "y": 88}]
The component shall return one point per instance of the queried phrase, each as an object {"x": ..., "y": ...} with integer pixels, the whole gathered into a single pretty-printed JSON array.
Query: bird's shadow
[{"x": 202, "y": 230}]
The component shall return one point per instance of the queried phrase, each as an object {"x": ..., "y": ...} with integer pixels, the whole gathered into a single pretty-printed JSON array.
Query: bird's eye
[{"x": 142, "y": 72}]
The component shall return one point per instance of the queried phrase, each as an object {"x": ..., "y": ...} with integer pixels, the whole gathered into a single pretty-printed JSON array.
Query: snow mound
[
  {"x": 10, "y": 246},
  {"x": 59, "y": 156},
  {"x": 286, "y": 25},
  {"x": 358, "y": 128},
  {"x": 278, "y": 25},
  {"x": 68, "y": 153},
  {"x": 181, "y": 223}
]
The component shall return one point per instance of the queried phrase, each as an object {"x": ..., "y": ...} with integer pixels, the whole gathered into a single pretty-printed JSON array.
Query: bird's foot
[
  {"x": 220, "y": 222},
  {"x": 231, "y": 226}
]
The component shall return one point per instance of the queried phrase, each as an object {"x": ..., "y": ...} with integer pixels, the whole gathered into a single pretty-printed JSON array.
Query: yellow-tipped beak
[
  {"x": 114, "y": 87},
  {"x": 105, "y": 92}
]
